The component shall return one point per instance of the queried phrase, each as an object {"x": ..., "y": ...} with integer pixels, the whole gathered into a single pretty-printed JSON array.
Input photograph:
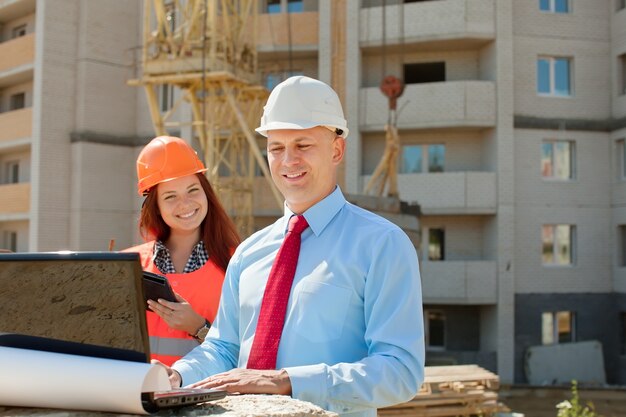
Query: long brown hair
[{"x": 217, "y": 230}]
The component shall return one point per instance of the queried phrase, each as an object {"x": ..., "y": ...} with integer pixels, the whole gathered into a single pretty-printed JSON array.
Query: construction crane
[{"x": 205, "y": 49}]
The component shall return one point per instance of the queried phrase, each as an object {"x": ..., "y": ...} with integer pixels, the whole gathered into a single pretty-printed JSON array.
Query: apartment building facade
[
  {"x": 70, "y": 127},
  {"x": 512, "y": 128}
]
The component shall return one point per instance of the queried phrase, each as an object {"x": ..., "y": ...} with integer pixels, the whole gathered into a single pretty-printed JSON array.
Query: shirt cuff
[
  {"x": 186, "y": 372},
  {"x": 309, "y": 383}
]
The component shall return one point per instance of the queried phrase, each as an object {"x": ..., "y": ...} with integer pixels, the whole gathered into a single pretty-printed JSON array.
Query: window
[
  {"x": 621, "y": 156},
  {"x": 10, "y": 240},
  {"x": 622, "y": 73},
  {"x": 273, "y": 6},
  {"x": 554, "y": 6},
  {"x": 436, "y": 244},
  {"x": 436, "y": 157},
  {"x": 621, "y": 4},
  {"x": 623, "y": 332},
  {"x": 553, "y": 76},
  {"x": 272, "y": 79},
  {"x": 435, "y": 329},
  {"x": 18, "y": 31},
  {"x": 166, "y": 97},
  {"x": 17, "y": 101},
  {"x": 428, "y": 72},
  {"x": 558, "y": 244},
  {"x": 11, "y": 172},
  {"x": 411, "y": 159},
  {"x": 557, "y": 159},
  {"x": 422, "y": 158},
  {"x": 257, "y": 168},
  {"x": 622, "y": 242},
  {"x": 293, "y": 6},
  {"x": 558, "y": 327}
]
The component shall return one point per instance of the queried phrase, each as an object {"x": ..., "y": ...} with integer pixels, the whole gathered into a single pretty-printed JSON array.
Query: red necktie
[{"x": 274, "y": 305}]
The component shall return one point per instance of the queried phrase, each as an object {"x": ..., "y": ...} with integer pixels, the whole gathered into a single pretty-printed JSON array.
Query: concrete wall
[
  {"x": 582, "y": 35},
  {"x": 583, "y": 202},
  {"x": 81, "y": 69},
  {"x": 595, "y": 313},
  {"x": 100, "y": 202}
]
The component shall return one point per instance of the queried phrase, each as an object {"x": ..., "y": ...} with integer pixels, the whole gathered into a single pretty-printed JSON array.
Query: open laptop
[{"x": 82, "y": 303}]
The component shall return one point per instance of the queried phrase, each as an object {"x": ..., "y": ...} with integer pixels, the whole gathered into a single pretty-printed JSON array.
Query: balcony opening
[
  {"x": 9, "y": 240},
  {"x": 435, "y": 329},
  {"x": 18, "y": 31},
  {"x": 436, "y": 244},
  {"x": 11, "y": 172},
  {"x": 426, "y": 72},
  {"x": 17, "y": 101}
]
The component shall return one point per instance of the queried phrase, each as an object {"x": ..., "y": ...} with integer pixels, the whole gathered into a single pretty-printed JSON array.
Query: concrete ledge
[
  {"x": 589, "y": 125},
  {"x": 108, "y": 139}
]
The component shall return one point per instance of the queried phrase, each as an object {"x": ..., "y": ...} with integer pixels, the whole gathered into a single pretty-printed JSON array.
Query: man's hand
[
  {"x": 175, "y": 379},
  {"x": 249, "y": 381}
]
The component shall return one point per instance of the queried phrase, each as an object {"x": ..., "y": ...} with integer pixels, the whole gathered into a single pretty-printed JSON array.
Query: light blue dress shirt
[{"x": 353, "y": 338}]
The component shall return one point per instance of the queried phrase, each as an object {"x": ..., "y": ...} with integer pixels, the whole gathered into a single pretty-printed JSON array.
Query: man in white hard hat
[{"x": 348, "y": 333}]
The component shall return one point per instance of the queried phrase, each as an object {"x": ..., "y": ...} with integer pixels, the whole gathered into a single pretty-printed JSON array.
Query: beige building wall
[{"x": 584, "y": 37}]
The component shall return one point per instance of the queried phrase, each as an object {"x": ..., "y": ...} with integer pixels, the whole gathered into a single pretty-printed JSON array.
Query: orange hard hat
[{"x": 165, "y": 158}]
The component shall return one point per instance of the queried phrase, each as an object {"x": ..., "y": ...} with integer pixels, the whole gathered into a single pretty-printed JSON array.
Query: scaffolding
[{"x": 205, "y": 49}]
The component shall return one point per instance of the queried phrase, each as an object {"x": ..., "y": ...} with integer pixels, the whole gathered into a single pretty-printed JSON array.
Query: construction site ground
[{"x": 541, "y": 401}]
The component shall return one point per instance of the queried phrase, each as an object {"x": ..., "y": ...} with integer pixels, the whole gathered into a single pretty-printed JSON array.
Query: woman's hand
[
  {"x": 175, "y": 379},
  {"x": 179, "y": 316}
]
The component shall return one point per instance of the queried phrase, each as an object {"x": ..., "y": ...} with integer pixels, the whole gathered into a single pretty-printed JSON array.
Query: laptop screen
[{"x": 92, "y": 300}]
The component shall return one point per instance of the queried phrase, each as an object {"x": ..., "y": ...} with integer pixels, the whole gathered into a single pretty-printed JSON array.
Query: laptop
[{"x": 99, "y": 298}]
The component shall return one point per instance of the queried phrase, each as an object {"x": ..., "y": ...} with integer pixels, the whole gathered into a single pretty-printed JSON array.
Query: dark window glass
[{"x": 436, "y": 244}]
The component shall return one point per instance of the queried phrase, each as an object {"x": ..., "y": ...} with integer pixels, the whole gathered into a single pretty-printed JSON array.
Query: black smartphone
[{"x": 156, "y": 286}]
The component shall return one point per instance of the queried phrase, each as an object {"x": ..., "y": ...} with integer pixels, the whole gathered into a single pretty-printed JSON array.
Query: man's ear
[{"x": 339, "y": 148}]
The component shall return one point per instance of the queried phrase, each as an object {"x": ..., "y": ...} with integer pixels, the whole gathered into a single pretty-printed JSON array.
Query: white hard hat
[{"x": 302, "y": 103}]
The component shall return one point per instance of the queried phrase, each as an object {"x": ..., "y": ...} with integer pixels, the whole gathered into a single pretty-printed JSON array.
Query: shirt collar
[
  {"x": 319, "y": 215},
  {"x": 161, "y": 250}
]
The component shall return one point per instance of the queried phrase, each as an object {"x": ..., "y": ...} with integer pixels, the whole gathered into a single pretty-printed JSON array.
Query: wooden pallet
[{"x": 451, "y": 391}]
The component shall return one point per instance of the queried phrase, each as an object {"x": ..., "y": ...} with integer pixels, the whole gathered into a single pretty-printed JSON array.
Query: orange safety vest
[{"x": 201, "y": 288}]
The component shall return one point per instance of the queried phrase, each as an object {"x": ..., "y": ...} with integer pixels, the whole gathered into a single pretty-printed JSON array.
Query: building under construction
[{"x": 511, "y": 132}]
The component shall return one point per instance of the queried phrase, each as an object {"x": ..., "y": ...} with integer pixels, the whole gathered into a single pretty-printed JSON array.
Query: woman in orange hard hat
[{"x": 189, "y": 239}]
